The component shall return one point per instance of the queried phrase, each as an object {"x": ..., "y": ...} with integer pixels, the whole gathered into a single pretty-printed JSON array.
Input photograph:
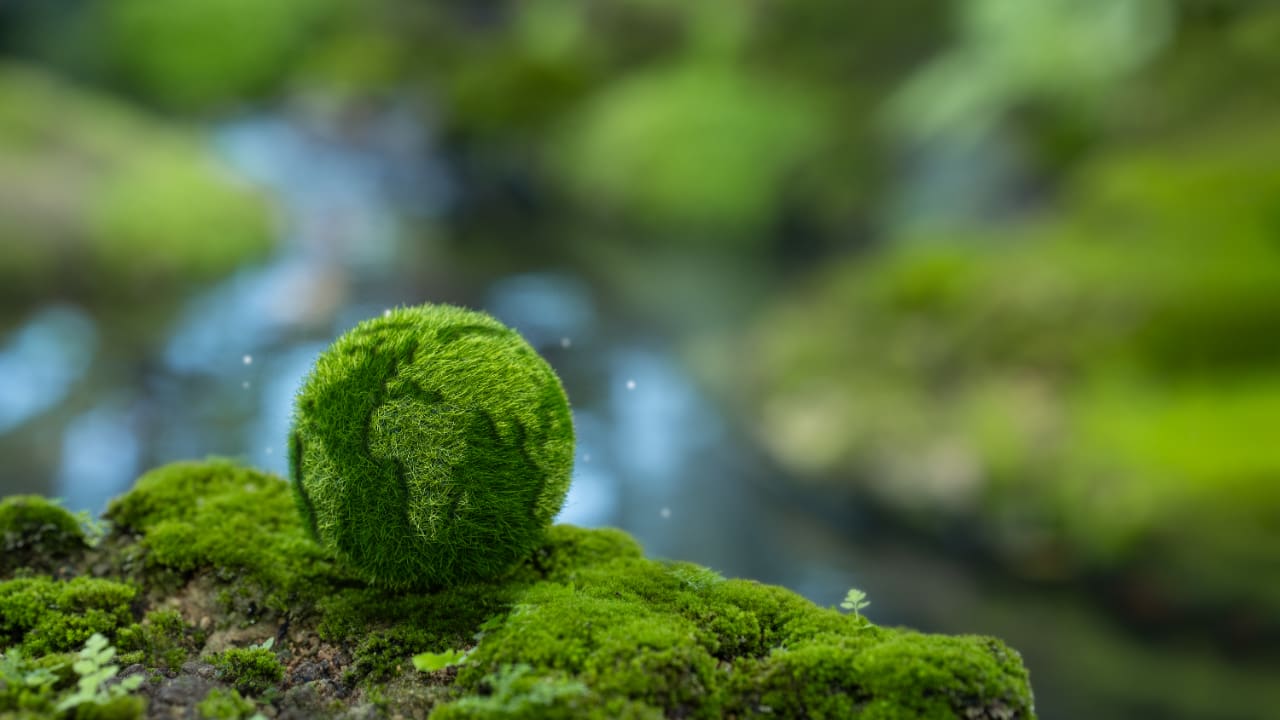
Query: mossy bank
[{"x": 213, "y": 596}]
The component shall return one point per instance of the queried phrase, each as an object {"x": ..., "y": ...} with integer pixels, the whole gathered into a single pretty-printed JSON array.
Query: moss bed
[{"x": 208, "y": 588}]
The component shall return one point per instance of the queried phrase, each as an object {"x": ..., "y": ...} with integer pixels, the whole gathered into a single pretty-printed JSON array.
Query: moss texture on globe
[{"x": 431, "y": 445}]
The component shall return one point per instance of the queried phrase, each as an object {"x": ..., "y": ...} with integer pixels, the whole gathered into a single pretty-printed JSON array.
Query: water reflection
[
  {"x": 547, "y": 309},
  {"x": 42, "y": 361},
  {"x": 100, "y": 454}
]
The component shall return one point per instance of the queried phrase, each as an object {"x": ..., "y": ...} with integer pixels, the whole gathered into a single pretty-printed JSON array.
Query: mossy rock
[
  {"x": 38, "y": 534},
  {"x": 1088, "y": 390},
  {"x": 99, "y": 200},
  {"x": 584, "y": 626}
]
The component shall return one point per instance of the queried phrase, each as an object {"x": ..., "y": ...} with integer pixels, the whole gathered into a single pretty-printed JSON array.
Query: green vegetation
[
  {"x": 431, "y": 662},
  {"x": 714, "y": 145},
  {"x": 38, "y": 534},
  {"x": 1092, "y": 387},
  {"x": 251, "y": 670},
  {"x": 208, "y": 54},
  {"x": 430, "y": 446},
  {"x": 162, "y": 640},
  {"x": 45, "y": 615},
  {"x": 95, "y": 668},
  {"x": 265, "y": 554},
  {"x": 855, "y": 601},
  {"x": 137, "y": 203},
  {"x": 583, "y": 626},
  {"x": 224, "y": 704},
  {"x": 80, "y": 686}
]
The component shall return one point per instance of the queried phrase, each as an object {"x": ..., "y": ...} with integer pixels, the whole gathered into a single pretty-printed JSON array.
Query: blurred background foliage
[{"x": 973, "y": 304}]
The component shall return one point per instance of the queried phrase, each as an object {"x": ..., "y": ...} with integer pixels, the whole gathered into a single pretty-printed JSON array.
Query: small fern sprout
[
  {"x": 95, "y": 668},
  {"x": 855, "y": 601}
]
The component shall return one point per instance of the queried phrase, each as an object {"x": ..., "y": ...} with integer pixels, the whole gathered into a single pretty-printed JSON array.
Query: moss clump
[
  {"x": 37, "y": 533},
  {"x": 651, "y": 639},
  {"x": 45, "y": 615},
  {"x": 430, "y": 446},
  {"x": 191, "y": 516},
  {"x": 224, "y": 704},
  {"x": 881, "y": 675},
  {"x": 161, "y": 640},
  {"x": 252, "y": 670}
]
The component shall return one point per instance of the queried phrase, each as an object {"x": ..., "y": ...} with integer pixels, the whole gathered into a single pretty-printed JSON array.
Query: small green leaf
[
  {"x": 855, "y": 600},
  {"x": 430, "y": 662},
  {"x": 95, "y": 643},
  {"x": 129, "y": 684}
]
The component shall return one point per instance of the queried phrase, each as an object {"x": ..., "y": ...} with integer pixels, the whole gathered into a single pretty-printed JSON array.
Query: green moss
[
  {"x": 617, "y": 646},
  {"x": 584, "y": 626},
  {"x": 37, "y": 533},
  {"x": 44, "y": 615},
  {"x": 391, "y": 627},
  {"x": 643, "y": 635},
  {"x": 430, "y": 446},
  {"x": 518, "y": 692},
  {"x": 224, "y": 704},
  {"x": 162, "y": 640},
  {"x": 251, "y": 670},
  {"x": 885, "y": 675},
  {"x": 567, "y": 549},
  {"x": 195, "y": 515}
]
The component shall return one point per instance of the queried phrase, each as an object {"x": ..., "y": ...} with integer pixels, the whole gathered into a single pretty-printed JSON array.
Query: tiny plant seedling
[
  {"x": 430, "y": 446},
  {"x": 431, "y": 662},
  {"x": 855, "y": 601}
]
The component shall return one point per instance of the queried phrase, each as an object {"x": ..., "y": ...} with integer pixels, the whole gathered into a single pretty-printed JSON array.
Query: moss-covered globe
[{"x": 431, "y": 445}]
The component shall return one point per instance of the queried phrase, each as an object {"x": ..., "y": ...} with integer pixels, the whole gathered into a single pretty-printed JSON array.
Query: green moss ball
[{"x": 431, "y": 445}]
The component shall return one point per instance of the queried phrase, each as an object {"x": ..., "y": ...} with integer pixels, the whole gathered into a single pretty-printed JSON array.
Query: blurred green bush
[
  {"x": 1090, "y": 390},
  {"x": 98, "y": 199}
]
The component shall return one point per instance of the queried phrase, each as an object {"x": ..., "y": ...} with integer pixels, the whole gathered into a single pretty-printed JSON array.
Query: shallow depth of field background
[{"x": 971, "y": 304}]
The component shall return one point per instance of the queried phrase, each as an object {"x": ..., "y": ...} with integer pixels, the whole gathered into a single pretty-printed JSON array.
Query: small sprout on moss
[
  {"x": 855, "y": 601},
  {"x": 431, "y": 662},
  {"x": 95, "y": 669},
  {"x": 430, "y": 446}
]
